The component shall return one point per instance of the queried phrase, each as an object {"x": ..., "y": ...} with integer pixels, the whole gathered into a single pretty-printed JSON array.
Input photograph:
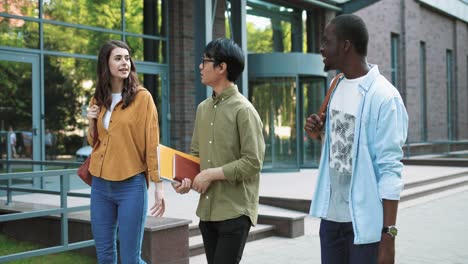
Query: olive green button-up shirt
[{"x": 228, "y": 134}]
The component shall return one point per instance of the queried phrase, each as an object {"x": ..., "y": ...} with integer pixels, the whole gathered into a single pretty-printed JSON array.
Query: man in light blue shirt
[{"x": 359, "y": 182}]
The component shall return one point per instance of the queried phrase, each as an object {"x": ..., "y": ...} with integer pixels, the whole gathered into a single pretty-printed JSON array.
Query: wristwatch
[{"x": 391, "y": 230}]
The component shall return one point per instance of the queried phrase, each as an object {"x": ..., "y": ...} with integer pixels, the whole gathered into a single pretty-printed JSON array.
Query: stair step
[
  {"x": 433, "y": 187},
  {"x": 434, "y": 179},
  {"x": 281, "y": 213},
  {"x": 256, "y": 232},
  {"x": 413, "y": 189}
]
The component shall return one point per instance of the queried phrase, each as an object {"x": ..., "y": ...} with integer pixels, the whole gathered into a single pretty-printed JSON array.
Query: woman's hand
[
  {"x": 93, "y": 112},
  {"x": 159, "y": 206}
]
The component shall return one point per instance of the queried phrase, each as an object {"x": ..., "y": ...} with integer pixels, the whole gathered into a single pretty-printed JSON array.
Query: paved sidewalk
[{"x": 431, "y": 232}]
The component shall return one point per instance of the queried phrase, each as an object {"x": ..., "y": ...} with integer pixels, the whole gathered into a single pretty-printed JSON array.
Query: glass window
[
  {"x": 422, "y": 76},
  {"x": 19, "y": 33},
  {"x": 20, "y": 7},
  {"x": 68, "y": 85},
  {"x": 451, "y": 97},
  {"x": 269, "y": 27},
  {"x": 275, "y": 37},
  {"x": 395, "y": 45},
  {"x": 275, "y": 100},
  {"x": 153, "y": 83},
  {"x": 144, "y": 49},
  {"x": 75, "y": 40},
  {"x": 16, "y": 109},
  {"x": 146, "y": 17},
  {"x": 104, "y": 14}
]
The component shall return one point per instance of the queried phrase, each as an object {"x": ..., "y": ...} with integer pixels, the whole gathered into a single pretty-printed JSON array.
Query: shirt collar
[
  {"x": 370, "y": 78},
  {"x": 228, "y": 92}
]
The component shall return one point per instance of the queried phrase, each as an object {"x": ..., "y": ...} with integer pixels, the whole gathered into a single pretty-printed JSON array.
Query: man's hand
[
  {"x": 182, "y": 187},
  {"x": 203, "y": 180},
  {"x": 159, "y": 206},
  {"x": 386, "y": 250},
  {"x": 314, "y": 125}
]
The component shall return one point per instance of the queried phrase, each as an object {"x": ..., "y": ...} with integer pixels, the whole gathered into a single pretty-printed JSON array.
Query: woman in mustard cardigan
[{"x": 124, "y": 159}]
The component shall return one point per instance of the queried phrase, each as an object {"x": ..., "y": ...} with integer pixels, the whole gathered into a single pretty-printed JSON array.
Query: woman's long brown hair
[{"x": 102, "y": 95}]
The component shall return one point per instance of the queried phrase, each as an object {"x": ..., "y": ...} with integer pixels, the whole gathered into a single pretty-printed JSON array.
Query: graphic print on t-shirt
[{"x": 342, "y": 135}]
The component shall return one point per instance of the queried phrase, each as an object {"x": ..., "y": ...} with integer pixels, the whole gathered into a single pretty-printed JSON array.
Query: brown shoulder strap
[{"x": 323, "y": 107}]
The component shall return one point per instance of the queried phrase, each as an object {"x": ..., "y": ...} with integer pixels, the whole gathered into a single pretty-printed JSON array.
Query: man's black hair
[
  {"x": 351, "y": 27},
  {"x": 227, "y": 51}
]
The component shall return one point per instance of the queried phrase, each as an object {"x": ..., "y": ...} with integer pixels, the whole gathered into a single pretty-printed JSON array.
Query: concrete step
[
  {"x": 256, "y": 232},
  {"x": 439, "y": 185},
  {"x": 433, "y": 179},
  {"x": 413, "y": 189},
  {"x": 272, "y": 221}
]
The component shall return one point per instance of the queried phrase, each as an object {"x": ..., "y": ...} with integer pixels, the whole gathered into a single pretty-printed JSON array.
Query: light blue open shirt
[{"x": 380, "y": 132}]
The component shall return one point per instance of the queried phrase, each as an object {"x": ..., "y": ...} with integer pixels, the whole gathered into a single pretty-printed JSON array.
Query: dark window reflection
[
  {"x": 16, "y": 108},
  {"x": 313, "y": 92},
  {"x": 146, "y": 17},
  {"x": 19, "y": 33},
  {"x": 153, "y": 83},
  {"x": 69, "y": 83},
  {"x": 16, "y": 94},
  {"x": 74, "y": 40},
  {"x": 275, "y": 100},
  {"x": 144, "y": 49},
  {"x": 102, "y": 13}
]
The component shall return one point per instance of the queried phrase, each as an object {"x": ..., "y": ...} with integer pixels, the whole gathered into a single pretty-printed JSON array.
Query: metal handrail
[{"x": 63, "y": 211}]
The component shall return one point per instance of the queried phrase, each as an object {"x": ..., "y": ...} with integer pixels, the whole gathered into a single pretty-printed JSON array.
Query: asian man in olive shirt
[{"x": 228, "y": 139}]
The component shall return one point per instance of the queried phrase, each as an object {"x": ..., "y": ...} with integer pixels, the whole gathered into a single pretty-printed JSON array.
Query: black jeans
[
  {"x": 224, "y": 241},
  {"x": 337, "y": 245}
]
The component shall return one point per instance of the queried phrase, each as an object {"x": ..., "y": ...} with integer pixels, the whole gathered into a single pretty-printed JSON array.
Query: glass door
[
  {"x": 20, "y": 111},
  {"x": 275, "y": 100},
  {"x": 312, "y": 90}
]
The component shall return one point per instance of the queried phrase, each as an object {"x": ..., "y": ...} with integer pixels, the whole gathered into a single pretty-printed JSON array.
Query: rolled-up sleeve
[
  {"x": 151, "y": 139},
  {"x": 252, "y": 147},
  {"x": 391, "y": 135}
]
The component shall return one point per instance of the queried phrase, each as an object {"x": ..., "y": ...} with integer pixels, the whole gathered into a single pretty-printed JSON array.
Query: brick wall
[
  {"x": 462, "y": 77},
  {"x": 183, "y": 67},
  {"x": 439, "y": 32},
  {"x": 181, "y": 62}
]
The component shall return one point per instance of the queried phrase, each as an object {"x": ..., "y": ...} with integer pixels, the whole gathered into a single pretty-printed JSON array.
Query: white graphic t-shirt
[{"x": 343, "y": 109}]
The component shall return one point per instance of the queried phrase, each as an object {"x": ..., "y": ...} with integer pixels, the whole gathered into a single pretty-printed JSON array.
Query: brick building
[
  {"x": 422, "y": 47},
  {"x": 48, "y": 54}
]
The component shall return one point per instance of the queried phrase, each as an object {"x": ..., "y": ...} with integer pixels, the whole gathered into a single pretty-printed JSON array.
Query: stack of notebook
[{"x": 174, "y": 165}]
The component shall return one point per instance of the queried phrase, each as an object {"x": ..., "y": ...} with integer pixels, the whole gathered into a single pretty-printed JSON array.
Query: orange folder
[
  {"x": 166, "y": 161},
  {"x": 185, "y": 168}
]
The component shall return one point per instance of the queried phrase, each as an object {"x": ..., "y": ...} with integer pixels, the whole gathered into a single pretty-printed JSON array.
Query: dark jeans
[
  {"x": 337, "y": 247},
  {"x": 224, "y": 241}
]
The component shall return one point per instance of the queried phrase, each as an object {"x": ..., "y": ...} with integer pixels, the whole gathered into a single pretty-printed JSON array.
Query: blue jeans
[
  {"x": 119, "y": 207},
  {"x": 337, "y": 245}
]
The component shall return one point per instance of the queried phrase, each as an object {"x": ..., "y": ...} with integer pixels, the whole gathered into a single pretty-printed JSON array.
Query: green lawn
[{"x": 11, "y": 246}]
